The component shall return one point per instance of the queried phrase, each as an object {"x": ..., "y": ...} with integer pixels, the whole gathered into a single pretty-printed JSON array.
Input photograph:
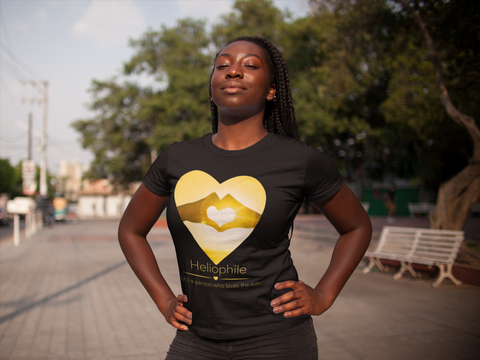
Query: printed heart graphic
[
  {"x": 219, "y": 216},
  {"x": 215, "y": 277}
]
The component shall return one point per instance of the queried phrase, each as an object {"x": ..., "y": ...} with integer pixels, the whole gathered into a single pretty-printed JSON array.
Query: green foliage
[
  {"x": 17, "y": 182},
  {"x": 11, "y": 181},
  {"x": 250, "y": 18},
  {"x": 455, "y": 27},
  {"x": 413, "y": 108},
  {"x": 335, "y": 57},
  {"x": 7, "y": 173},
  {"x": 390, "y": 78},
  {"x": 117, "y": 134},
  {"x": 132, "y": 120},
  {"x": 363, "y": 86}
]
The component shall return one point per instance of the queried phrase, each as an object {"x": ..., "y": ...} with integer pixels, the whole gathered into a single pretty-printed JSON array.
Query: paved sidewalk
[
  {"x": 68, "y": 293},
  {"x": 314, "y": 223}
]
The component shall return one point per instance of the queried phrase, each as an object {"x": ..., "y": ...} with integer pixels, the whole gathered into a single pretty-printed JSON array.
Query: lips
[{"x": 232, "y": 87}]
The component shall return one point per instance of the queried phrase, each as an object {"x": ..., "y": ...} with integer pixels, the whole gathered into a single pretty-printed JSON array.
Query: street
[
  {"x": 68, "y": 293},
  {"x": 6, "y": 231}
]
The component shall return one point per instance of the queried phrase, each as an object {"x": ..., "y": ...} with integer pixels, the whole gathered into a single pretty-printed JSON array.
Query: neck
[{"x": 239, "y": 135}]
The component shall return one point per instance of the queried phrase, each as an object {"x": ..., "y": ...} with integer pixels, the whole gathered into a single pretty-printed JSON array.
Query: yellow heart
[
  {"x": 219, "y": 216},
  {"x": 215, "y": 277}
]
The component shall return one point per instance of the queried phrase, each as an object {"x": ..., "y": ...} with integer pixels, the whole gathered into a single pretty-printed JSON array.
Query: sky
[{"x": 67, "y": 44}]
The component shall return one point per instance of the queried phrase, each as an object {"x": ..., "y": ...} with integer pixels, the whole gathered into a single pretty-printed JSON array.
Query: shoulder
[
  {"x": 186, "y": 145},
  {"x": 287, "y": 143},
  {"x": 178, "y": 149},
  {"x": 286, "y": 140},
  {"x": 191, "y": 143},
  {"x": 297, "y": 147}
]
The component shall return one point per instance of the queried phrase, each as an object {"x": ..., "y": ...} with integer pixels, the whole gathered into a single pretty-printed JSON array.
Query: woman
[{"x": 231, "y": 198}]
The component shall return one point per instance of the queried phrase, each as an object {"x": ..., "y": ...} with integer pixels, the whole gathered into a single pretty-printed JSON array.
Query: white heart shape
[{"x": 220, "y": 217}]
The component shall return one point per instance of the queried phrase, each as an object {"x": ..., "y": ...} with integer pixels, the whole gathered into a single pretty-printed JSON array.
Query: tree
[
  {"x": 134, "y": 121},
  {"x": 437, "y": 147},
  {"x": 7, "y": 173},
  {"x": 457, "y": 196},
  {"x": 17, "y": 181},
  {"x": 337, "y": 61},
  {"x": 363, "y": 87},
  {"x": 11, "y": 179},
  {"x": 250, "y": 18},
  {"x": 409, "y": 134}
]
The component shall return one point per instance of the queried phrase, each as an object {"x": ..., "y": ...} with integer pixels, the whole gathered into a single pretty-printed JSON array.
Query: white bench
[{"x": 417, "y": 246}]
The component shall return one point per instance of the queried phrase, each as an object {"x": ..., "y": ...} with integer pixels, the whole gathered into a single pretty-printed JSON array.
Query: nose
[{"x": 235, "y": 71}]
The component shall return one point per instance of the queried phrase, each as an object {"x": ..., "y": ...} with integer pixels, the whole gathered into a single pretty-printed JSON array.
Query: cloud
[
  {"x": 42, "y": 15},
  {"x": 210, "y": 9},
  {"x": 110, "y": 23}
]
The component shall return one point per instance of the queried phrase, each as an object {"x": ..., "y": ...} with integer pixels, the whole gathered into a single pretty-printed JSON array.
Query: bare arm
[
  {"x": 350, "y": 219},
  {"x": 141, "y": 214}
]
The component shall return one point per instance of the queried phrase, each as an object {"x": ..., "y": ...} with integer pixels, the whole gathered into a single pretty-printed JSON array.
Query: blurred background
[{"x": 93, "y": 91}]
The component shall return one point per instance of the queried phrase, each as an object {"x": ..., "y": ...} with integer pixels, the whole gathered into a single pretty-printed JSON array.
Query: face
[{"x": 240, "y": 80}]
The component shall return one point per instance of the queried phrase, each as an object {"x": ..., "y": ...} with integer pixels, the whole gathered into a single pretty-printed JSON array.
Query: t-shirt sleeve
[
  {"x": 322, "y": 178},
  {"x": 156, "y": 179}
]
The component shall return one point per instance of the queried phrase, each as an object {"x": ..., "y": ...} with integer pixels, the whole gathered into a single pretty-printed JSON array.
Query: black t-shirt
[{"x": 229, "y": 214}]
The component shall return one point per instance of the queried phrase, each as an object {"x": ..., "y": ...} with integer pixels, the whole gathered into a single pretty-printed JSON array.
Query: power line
[
  {"x": 7, "y": 37},
  {"x": 5, "y": 67},
  {"x": 20, "y": 62},
  {"x": 13, "y": 140},
  {"x": 43, "y": 146},
  {"x": 2, "y": 20},
  {"x": 17, "y": 148},
  {"x": 16, "y": 68},
  {"x": 19, "y": 110}
]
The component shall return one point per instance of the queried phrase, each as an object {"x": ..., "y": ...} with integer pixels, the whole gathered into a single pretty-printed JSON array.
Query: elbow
[
  {"x": 366, "y": 230},
  {"x": 369, "y": 228}
]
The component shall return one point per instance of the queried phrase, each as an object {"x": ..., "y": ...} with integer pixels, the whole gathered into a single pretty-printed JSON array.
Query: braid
[
  {"x": 279, "y": 114},
  {"x": 213, "y": 106}
]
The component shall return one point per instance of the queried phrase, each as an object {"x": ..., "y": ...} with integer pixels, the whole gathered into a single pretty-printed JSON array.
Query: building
[
  {"x": 99, "y": 200},
  {"x": 70, "y": 174}
]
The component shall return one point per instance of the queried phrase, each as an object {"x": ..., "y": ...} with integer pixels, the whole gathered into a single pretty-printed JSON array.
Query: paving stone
[{"x": 68, "y": 294}]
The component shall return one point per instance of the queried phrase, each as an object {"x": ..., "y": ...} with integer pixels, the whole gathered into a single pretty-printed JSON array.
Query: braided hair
[{"x": 279, "y": 116}]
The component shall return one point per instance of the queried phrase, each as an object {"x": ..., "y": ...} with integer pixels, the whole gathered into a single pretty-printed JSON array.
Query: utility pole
[
  {"x": 43, "y": 160},
  {"x": 30, "y": 122},
  {"x": 43, "y": 144}
]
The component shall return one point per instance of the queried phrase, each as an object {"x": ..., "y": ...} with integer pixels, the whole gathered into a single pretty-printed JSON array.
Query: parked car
[{"x": 4, "y": 217}]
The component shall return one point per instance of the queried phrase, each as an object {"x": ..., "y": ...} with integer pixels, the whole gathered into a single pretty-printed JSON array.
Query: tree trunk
[
  {"x": 456, "y": 199},
  {"x": 458, "y": 196}
]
